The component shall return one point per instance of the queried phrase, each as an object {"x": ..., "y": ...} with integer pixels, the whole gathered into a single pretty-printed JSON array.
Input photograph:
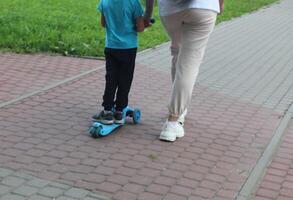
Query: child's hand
[{"x": 103, "y": 21}]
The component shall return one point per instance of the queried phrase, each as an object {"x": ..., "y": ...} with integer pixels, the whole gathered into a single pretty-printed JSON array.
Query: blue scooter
[{"x": 99, "y": 130}]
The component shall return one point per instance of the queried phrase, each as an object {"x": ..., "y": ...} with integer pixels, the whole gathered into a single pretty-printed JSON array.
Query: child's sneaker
[
  {"x": 118, "y": 117},
  {"x": 171, "y": 131},
  {"x": 104, "y": 117}
]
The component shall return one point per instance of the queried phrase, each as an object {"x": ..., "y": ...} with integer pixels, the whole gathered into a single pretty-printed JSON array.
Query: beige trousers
[{"x": 189, "y": 31}]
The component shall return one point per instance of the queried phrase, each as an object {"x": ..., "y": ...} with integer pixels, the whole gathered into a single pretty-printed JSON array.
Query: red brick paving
[
  {"x": 47, "y": 135},
  {"x": 21, "y": 74},
  {"x": 277, "y": 183}
]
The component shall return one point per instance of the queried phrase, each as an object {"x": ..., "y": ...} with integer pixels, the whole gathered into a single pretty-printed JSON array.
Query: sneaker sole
[
  {"x": 180, "y": 135},
  {"x": 119, "y": 121},
  {"x": 106, "y": 122},
  {"x": 171, "y": 139},
  {"x": 165, "y": 138}
]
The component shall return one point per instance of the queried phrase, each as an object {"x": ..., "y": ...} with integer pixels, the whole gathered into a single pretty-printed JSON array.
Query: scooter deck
[
  {"x": 99, "y": 130},
  {"x": 106, "y": 129}
]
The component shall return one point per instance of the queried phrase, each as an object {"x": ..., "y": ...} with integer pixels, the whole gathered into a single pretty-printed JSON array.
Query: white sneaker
[
  {"x": 171, "y": 131},
  {"x": 181, "y": 119}
]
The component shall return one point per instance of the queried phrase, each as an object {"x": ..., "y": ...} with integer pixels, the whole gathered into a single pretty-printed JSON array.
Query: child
[{"x": 122, "y": 20}]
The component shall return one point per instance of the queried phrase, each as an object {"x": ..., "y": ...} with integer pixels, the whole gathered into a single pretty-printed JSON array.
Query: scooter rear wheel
[{"x": 136, "y": 116}]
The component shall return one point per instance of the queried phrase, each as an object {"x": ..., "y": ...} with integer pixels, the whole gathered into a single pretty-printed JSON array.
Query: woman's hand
[
  {"x": 149, "y": 5},
  {"x": 221, "y": 5},
  {"x": 103, "y": 21},
  {"x": 147, "y": 22}
]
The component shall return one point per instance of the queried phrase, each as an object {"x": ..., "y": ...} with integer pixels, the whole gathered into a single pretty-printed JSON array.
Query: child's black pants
[{"x": 120, "y": 65}]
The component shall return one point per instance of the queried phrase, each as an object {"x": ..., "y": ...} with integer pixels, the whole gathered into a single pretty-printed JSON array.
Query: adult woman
[{"x": 188, "y": 24}]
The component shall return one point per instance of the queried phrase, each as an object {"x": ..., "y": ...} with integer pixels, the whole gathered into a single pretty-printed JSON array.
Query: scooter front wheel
[{"x": 95, "y": 131}]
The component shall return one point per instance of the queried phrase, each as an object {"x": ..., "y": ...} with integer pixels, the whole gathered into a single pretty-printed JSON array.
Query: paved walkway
[
  {"x": 237, "y": 120},
  {"x": 248, "y": 58}
]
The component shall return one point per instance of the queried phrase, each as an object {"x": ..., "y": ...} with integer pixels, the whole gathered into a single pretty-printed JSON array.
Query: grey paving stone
[
  {"x": 51, "y": 192},
  {"x": 65, "y": 198},
  {"x": 13, "y": 181},
  {"x": 25, "y": 191},
  {"x": 97, "y": 196},
  {"x": 4, "y": 189},
  {"x": 12, "y": 197},
  {"x": 19, "y": 185},
  {"x": 39, "y": 183},
  {"x": 23, "y": 175},
  {"x": 77, "y": 193},
  {"x": 5, "y": 172},
  {"x": 38, "y": 197},
  {"x": 60, "y": 185}
]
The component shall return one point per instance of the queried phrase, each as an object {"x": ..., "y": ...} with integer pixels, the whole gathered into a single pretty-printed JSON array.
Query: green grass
[{"x": 72, "y": 26}]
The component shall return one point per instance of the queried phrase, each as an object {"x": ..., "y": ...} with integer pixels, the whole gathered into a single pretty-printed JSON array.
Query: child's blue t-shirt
[{"x": 120, "y": 16}]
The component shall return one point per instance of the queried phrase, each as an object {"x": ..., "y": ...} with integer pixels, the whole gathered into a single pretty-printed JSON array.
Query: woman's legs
[
  {"x": 173, "y": 24},
  {"x": 189, "y": 32}
]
